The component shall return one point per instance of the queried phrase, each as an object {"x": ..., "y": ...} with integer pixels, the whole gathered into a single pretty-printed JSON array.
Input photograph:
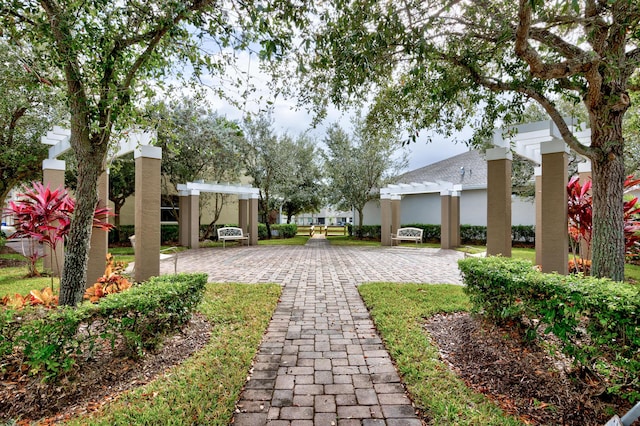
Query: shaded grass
[
  {"x": 204, "y": 389},
  {"x": 12, "y": 279},
  {"x": 398, "y": 311}
]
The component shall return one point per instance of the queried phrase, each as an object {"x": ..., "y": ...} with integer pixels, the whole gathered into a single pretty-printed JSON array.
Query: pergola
[
  {"x": 540, "y": 142},
  {"x": 147, "y": 201},
  {"x": 190, "y": 209}
]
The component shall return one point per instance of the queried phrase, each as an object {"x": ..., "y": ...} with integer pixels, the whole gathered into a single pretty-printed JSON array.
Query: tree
[
  {"x": 122, "y": 185},
  {"x": 302, "y": 189},
  {"x": 358, "y": 166},
  {"x": 110, "y": 54},
  {"x": 26, "y": 100},
  {"x": 434, "y": 64},
  {"x": 265, "y": 160},
  {"x": 197, "y": 144}
]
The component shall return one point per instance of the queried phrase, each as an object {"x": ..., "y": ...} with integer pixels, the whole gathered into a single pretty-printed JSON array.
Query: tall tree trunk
[
  {"x": 608, "y": 188},
  {"x": 74, "y": 274}
]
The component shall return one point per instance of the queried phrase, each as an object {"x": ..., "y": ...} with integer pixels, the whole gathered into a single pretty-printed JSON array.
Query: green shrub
[
  {"x": 48, "y": 341},
  {"x": 367, "y": 231},
  {"x": 262, "y": 231},
  {"x": 285, "y": 230},
  {"x": 596, "y": 320}
]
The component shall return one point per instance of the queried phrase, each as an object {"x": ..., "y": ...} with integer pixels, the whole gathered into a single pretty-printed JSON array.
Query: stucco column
[
  {"x": 454, "y": 219},
  {"x": 554, "y": 234},
  {"x": 395, "y": 213},
  {"x": 499, "y": 201},
  {"x": 253, "y": 220},
  {"x": 385, "y": 219},
  {"x": 243, "y": 213},
  {"x": 538, "y": 201},
  {"x": 584, "y": 172},
  {"x": 99, "y": 237},
  {"x": 445, "y": 219},
  {"x": 53, "y": 176},
  {"x": 147, "y": 212},
  {"x": 194, "y": 218},
  {"x": 183, "y": 218}
]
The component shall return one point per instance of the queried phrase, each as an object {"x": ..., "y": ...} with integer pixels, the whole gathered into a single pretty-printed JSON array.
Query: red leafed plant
[
  {"x": 581, "y": 215},
  {"x": 111, "y": 282},
  {"x": 44, "y": 215}
]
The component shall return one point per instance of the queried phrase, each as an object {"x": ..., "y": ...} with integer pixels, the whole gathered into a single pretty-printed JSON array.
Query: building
[{"x": 466, "y": 173}]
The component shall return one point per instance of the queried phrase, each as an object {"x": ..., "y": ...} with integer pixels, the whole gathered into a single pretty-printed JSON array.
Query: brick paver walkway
[{"x": 321, "y": 361}]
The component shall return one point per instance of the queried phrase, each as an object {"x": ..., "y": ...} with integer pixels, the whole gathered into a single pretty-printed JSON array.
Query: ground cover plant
[
  {"x": 220, "y": 341},
  {"x": 448, "y": 358},
  {"x": 591, "y": 321}
]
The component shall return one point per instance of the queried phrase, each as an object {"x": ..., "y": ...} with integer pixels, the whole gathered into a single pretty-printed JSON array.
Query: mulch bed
[
  {"x": 523, "y": 379},
  {"x": 97, "y": 381}
]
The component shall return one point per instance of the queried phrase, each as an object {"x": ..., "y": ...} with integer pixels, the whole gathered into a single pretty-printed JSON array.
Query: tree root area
[
  {"x": 522, "y": 378},
  {"x": 95, "y": 382}
]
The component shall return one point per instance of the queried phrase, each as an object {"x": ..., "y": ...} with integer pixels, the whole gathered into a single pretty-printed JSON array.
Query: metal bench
[
  {"x": 165, "y": 254},
  {"x": 408, "y": 234},
  {"x": 231, "y": 233}
]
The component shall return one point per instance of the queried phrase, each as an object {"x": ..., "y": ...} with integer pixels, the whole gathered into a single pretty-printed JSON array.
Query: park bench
[
  {"x": 231, "y": 233},
  {"x": 165, "y": 254},
  {"x": 408, "y": 234}
]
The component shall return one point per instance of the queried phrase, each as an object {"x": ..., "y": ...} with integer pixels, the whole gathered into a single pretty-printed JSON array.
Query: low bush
[
  {"x": 596, "y": 320},
  {"x": 48, "y": 341},
  {"x": 262, "y": 231},
  {"x": 285, "y": 230}
]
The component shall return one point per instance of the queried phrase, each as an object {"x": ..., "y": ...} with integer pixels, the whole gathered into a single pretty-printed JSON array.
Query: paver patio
[{"x": 321, "y": 361}]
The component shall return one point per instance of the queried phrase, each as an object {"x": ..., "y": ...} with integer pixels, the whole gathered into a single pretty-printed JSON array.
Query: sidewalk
[{"x": 321, "y": 361}]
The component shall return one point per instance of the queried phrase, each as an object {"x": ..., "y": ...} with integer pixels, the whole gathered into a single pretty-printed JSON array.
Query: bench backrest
[
  {"x": 229, "y": 231},
  {"x": 410, "y": 232}
]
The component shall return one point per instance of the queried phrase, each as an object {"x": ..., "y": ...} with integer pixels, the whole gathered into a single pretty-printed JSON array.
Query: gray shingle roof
[{"x": 450, "y": 170}]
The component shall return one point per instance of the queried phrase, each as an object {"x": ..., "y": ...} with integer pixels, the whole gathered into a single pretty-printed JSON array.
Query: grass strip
[
  {"x": 399, "y": 310},
  {"x": 204, "y": 389}
]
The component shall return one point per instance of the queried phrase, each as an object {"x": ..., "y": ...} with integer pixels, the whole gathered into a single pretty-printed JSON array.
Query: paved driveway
[{"x": 321, "y": 361}]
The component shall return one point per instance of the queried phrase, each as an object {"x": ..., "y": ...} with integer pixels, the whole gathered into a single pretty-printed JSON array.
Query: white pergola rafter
[
  {"x": 527, "y": 140},
  {"x": 220, "y": 188}
]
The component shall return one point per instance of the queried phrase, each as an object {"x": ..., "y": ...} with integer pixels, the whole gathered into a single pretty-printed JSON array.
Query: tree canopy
[
  {"x": 358, "y": 165},
  {"x": 436, "y": 64},
  {"x": 106, "y": 56},
  {"x": 27, "y": 103}
]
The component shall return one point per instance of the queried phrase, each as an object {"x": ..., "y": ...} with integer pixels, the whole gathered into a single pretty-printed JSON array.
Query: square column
[
  {"x": 385, "y": 220},
  {"x": 538, "y": 201},
  {"x": 194, "y": 218},
  {"x": 454, "y": 219},
  {"x": 395, "y": 213},
  {"x": 253, "y": 220},
  {"x": 183, "y": 218},
  {"x": 499, "y": 201},
  {"x": 53, "y": 176},
  {"x": 554, "y": 232},
  {"x": 243, "y": 213},
  {"x": 445, "y": 220},
  {"x": 147, "y": 212},
  {"x": 99, "y": 237}
]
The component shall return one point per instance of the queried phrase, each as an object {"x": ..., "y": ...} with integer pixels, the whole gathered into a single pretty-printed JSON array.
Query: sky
[{"x": 293, "y": 120}]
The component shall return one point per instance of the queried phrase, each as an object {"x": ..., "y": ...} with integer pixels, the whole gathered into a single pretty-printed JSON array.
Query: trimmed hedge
[
  {"x": 48, "y": 341},
  {"x": 469, "y": 234},
  {"x": 596, "y": 320}
]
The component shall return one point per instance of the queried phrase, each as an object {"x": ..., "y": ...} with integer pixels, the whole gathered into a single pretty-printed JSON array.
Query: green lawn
[
  {"x": 204, "y": 389},
  {"x": 12, "y": 279},
  {"x": 398, "y": 311}
]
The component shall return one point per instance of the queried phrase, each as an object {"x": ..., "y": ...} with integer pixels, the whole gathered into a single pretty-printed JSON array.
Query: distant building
[{"x": 469, "y": 170}]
